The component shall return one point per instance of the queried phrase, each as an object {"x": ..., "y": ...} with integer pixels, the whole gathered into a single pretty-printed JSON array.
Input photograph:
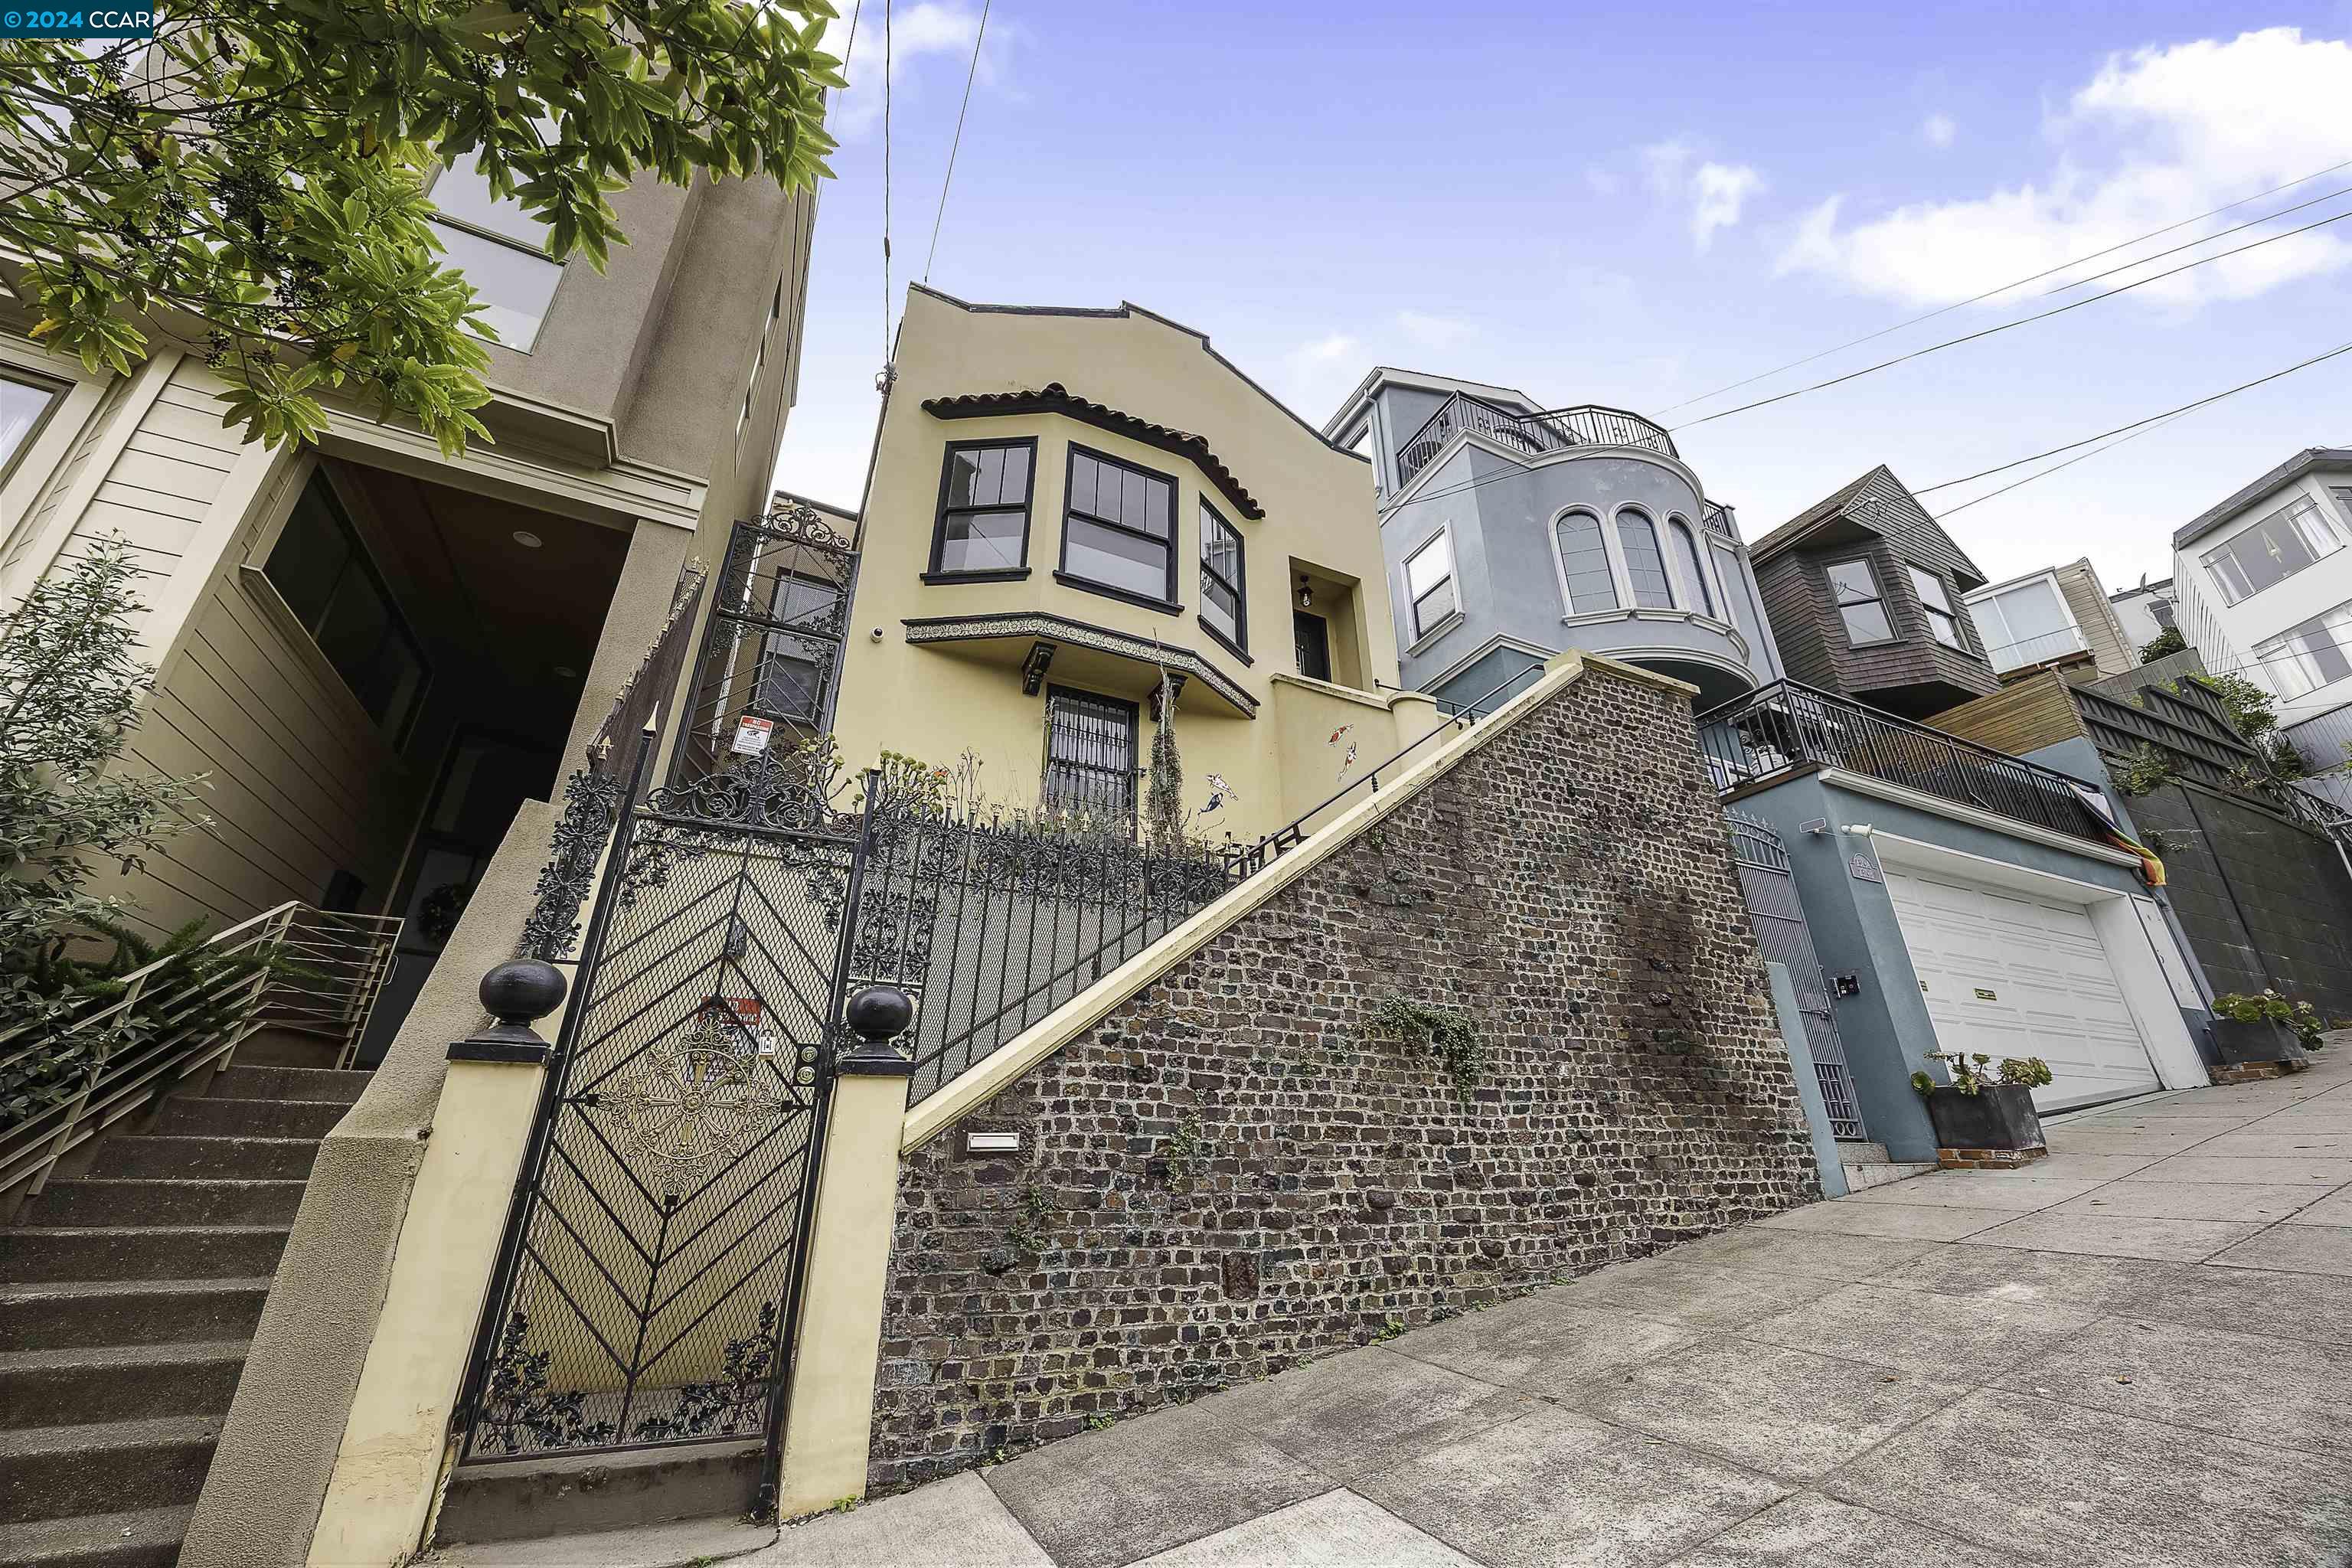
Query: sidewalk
[{"x": 2138, "y": 1351}]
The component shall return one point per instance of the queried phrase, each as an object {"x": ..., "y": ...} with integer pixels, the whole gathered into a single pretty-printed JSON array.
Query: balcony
[
  {"x": 2036, "y": 649},
  {"x": 1554, "y": 430},
  {"x": 1779, "y": 730}
]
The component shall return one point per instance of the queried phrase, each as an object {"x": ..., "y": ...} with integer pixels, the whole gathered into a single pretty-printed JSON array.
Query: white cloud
[
  {"x": 1315, "y": 375},
  {"x": 1718, "y": 192},
  {"x": 928, "y": 28},
  {"x": 1940, "y": 130},
  {"x": 1715, "y": 193},
  {"x": 2152, "y": 137},
  {"x": 1434, "y": 331}
]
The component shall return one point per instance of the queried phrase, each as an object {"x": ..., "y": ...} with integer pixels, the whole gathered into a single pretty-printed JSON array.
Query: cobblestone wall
[{"x": 1241, "y": 1168}]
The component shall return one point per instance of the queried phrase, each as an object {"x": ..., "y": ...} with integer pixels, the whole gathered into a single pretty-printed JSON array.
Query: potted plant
[
  {"x": 2264, "y": 1029},
  {"x": 1984, "y": 1106}
]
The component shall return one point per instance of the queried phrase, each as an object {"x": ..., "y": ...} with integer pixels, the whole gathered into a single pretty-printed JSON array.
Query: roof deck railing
[{"x": 1552, "y": 430}]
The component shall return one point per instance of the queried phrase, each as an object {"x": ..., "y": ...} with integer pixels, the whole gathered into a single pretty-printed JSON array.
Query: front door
[{"x": 1311, "y": 637}]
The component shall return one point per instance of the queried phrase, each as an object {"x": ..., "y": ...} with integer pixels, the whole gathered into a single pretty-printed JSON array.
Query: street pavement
[{"x": 2138, "y": 1351}]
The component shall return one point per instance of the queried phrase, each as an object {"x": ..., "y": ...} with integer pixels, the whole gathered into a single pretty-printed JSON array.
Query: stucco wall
[
  {"x": 1238, "y": 1169},
  {"x": 1511, "y": 580}
]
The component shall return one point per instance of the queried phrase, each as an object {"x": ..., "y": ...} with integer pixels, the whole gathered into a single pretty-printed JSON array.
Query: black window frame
[
  {"x": 1839, "y": 607},
  {"x": 1451, "y": 580},
  {"x": 395, "y": 619},
  {"x": 1168, "y": 605},
  {"x": 935, "y": 572},
  {"x": 1210, "y": 518},
  {"x": 1131, "y": 775},
  {"x": 1959, "y": 640}
]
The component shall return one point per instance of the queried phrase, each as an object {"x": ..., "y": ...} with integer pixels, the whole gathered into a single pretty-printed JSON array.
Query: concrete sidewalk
[{"x": 2138, "y": 1351}]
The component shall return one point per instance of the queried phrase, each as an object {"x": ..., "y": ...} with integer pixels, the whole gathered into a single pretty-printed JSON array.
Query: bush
[
  {"x": 2166, "y": 642},
  {"x": 2270, "y": 1007}
]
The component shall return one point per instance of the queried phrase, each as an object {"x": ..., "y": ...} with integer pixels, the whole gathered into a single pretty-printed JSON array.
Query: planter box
[
  {"x": 2258, "y": 1042},
  {"x": 2001, "y": 1117}
]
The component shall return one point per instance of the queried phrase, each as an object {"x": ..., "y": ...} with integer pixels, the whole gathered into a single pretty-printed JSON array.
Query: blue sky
[{"x": 1634, "y": 205}]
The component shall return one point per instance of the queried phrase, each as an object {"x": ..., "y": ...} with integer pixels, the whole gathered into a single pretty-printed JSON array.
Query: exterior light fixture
[
  {"x": 527, "y": 539},
  {"x": 565, "y": 672},
  {"x": 1305, "y": 592}
]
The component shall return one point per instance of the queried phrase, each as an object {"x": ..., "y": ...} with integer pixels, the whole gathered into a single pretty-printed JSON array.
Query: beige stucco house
[{"x": 1065, "y": 503}]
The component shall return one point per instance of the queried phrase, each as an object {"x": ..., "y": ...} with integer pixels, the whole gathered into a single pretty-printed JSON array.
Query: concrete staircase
[{"x": 127, "y": 1296}]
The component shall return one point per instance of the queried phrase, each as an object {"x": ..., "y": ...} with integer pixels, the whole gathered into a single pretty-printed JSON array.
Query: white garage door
[{"x": 2014, "y": 975}]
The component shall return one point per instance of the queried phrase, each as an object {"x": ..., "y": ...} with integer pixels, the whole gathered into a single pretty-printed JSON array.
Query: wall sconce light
[{"x": 1305, "y": 592}]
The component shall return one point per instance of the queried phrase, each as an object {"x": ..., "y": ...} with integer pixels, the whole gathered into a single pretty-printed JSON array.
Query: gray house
[{"x": 1511, "y": 531}]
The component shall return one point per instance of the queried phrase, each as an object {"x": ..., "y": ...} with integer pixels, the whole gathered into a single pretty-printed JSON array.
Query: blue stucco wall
[
  {"x": 1508, "y": 578},
  {"x": 1885, "y": 1027}
]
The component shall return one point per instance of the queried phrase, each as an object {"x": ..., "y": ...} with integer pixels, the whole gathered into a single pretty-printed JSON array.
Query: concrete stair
[
  {"x": 127, "y": 1296},
  {"x": 573, "y": 1495},
  {"x": 1868, "y": 1165}
]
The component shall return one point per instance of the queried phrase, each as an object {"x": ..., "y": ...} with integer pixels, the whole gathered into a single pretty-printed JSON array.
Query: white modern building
[
  {"x": 2145, "y": 612},
  {"x": 2265, "y": 585}
]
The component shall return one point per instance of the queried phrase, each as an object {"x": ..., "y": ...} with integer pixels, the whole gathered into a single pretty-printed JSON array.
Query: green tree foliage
[
  {"x": 2168, "y": 641},
  {"x": 254, "y": 181},
  {"x": 70, "y": 689}
]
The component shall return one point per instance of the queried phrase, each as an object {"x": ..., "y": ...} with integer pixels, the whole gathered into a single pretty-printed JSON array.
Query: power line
[
  {"x": 2041, "y": 473},
  {"x": 2169, "y": 413},
  {"x": 2005, "y": 288},
  {"x": 2202, "y": 239},
  {"x": 2007, "y": 326},
  {"x": 956, "y": 145},
  {"x": 887, "y": 64}
]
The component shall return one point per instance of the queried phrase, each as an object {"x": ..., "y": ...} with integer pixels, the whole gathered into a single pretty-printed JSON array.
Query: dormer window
[
  {"x": 1861, "y": 604},
  {"x": 1942, "y": 624}
]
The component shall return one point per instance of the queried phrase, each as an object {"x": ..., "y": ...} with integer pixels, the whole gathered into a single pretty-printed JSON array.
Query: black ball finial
[
  {"x": 879, "y": 1013},
  {"x": 523, "y": 989}
]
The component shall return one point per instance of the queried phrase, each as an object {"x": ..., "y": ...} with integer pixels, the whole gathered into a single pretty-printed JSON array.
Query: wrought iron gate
[
  {"x": 1779, "y": 920},
  {"x": 646, "y": 1285},
  {"x": 771, "y": 652}
]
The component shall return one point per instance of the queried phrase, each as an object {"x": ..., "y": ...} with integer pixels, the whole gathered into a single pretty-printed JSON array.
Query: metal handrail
[
  {"x": 1776, "y": 729},
  {"x": 335, "y": 966},
  {"x": 190, "y": 1032},
  {"x": 1255, "y": 858},
  {"x": 1548, "y": 430}
]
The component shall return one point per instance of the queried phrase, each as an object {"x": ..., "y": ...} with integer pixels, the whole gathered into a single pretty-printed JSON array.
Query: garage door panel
[{"x": 2012, "y": 975}]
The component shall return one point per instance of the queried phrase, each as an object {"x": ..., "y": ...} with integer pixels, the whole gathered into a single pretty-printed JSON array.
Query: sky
[{"x": 1637, "y": 205}]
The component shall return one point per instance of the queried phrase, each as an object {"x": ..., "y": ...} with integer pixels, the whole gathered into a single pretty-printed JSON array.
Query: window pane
[
  {"x": 1644, "y": 566},
  {"x": 1584, "y": 562},
  {"x": 1117, "y": 559},
  {"x": 1432, "y": 563},
  {"x": 2316, "y": 530},
  {"x": 357, "y": 638},
  {"x": 2232, "y": 583},
  {"x": 1851, "y": 580},
  {"x": 1930, "y": 589},
  {"x": 788, "y": 681},
  {"x": 1743, "y": 614},
  {"x": 1222, "y": 609},
  {"x": 971, "y": 481},
  {"x": 1014, "y": 487},
  {"x": 22, "y": 404},
  {"x": 979, "y": 540},
  {"x": 1433, "y": 606},
  {"x": 1695, "y": 569},
  {"x": 310, "y": 556},
  {"x": 2033, "y": 610},
  {"x": 514, "y": 286},
  {"x": 463, "y": 194},
  {"x": 1082, "y": 483},
  {"x": 1866, "y": 623},
  {"x": 802, "y": 599}
]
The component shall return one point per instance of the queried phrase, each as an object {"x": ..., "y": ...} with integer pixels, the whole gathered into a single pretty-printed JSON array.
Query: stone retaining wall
[{"x": 1241, "y": 1168}]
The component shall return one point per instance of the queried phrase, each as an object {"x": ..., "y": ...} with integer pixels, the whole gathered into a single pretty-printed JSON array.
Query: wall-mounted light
[
  {"x": 1305, "y": 592},
  {"x": 1817, "y": 826},
  {"x": 527, "y": 539},
  {"x": 565, "y": 672},
  {"x": 991, "y": 1143}
]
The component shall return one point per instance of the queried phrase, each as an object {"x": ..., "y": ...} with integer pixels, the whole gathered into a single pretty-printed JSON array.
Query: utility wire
[
  {"x": 2191, "y": 244},
  {"x": 2169, "y": 413},
  {"x": 2007, "y": 326},
  {"x": 887, "y": 64},
  {"x": 2005, "y": 288},
  {"x": 956, "y": 145},
  {"x": 2081, "y": 457}
]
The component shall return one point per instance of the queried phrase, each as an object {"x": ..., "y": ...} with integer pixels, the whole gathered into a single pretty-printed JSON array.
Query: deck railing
[
  {"x": 1552, "y": 430},
  {"x": 1778, "y": 728}
]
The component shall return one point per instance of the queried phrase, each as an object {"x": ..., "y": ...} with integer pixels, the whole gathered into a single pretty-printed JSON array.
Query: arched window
[
  {"x": 1693, "y": 565},
  {"x": 1645, "y": 565},
  {"x": 1584, "y": 563}
]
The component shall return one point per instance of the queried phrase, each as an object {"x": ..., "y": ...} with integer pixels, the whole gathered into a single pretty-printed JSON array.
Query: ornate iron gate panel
[
  {"x": 772, "y": 651},
  {"x": 648, "y": 1279},
  {"x": 1779, "y": 920}
]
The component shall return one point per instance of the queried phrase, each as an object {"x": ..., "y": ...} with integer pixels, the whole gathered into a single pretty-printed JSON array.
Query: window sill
[
  {"x": 1435, "y": 634},
  {"x": 993, "y": 574},
  {"x": 1141, "y": 601},
  {"x": 1225, "y": 642}
]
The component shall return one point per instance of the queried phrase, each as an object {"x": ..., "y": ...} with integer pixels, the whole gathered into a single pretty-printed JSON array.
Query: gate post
[
  {"x": 829, "y": 1412},
  {"x": 387, "y": 1474}
]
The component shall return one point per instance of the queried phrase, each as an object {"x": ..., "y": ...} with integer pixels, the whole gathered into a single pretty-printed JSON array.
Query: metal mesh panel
[{"x": 1779, "y": 920}]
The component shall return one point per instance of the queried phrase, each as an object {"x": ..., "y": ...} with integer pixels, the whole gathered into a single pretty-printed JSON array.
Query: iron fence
[
  {"x": 1770, "y": 889},
  {"x": 1552, "y": 430},
  {"x": 1776, "y": 729}
]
